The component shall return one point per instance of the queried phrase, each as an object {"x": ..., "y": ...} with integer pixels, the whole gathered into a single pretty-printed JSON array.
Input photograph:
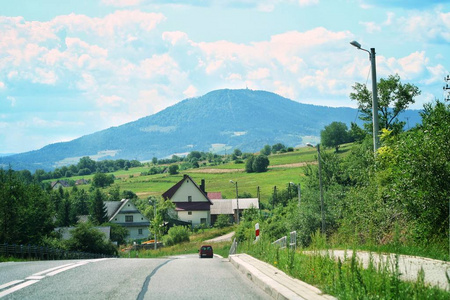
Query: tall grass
[{"x": 347, "y": 278}]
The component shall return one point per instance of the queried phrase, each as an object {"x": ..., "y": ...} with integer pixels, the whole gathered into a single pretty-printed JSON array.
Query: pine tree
[{"x": 98, "y": 208}]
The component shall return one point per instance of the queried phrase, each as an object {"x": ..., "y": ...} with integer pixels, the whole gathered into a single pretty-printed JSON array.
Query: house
[
  {"x": 59, "y": 183},
  {"x": 229, "y": 207},
  {"x": 126, "y": 214},
  {"x": 81, "y": 182},
  {"x": 191, "y": 201}
]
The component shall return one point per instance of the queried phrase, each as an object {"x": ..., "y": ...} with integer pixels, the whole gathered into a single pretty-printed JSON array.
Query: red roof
[{"x": 215, "y": 195}]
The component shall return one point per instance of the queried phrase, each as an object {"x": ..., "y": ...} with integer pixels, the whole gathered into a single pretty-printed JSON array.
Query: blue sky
[{"x": 70, "y": 68}]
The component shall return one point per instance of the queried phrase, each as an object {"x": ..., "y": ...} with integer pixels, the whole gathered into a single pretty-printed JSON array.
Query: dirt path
[{"x": 222, "y": 238}]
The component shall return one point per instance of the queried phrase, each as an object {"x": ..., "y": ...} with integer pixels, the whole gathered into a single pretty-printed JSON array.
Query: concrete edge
[{"x": 270, "y": 286}]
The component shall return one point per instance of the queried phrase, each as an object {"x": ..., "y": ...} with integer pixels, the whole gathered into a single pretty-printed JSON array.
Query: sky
[{"x": 75, "y": 67}]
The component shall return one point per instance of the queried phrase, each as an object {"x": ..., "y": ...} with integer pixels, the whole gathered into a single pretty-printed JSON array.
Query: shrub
[
  {"x": 222, "y": 221},
  {"x": 176, "y": 235}
]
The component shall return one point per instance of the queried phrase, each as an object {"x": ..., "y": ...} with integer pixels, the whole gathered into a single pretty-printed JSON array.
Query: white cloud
[
  {"x": 112, "y": 100},
  {"x": 432, "y": 26},
  {"x": 175, "y": 37},
  {"x": 190, "y": 92},
  {"x": 371, "y": 27},
  {"x": 260, "y": 73}
]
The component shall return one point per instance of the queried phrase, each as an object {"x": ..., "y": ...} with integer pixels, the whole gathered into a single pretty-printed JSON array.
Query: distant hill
[{"x": 219, "y": 121}]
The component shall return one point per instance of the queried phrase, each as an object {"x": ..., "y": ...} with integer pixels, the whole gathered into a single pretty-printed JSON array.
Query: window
[
  {"x": 139, "y": 231},
  {"x": 189, "y": 198},
  {"x": 203, "y": 220},
  {"x": 190, "y": 213},
  {"x": 128, "y": 218}
]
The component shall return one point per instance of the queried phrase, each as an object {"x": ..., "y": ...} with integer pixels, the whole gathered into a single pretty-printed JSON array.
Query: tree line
[{"x": 397, "y": 199}]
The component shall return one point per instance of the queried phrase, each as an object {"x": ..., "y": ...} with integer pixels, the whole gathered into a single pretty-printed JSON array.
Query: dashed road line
[{"x": 16, "y": 285}]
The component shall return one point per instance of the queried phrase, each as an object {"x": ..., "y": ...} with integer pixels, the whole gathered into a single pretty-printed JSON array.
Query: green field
[{"x": 284, "y": 168}]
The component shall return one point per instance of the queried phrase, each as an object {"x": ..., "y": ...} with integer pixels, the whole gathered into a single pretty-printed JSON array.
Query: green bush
[
  {"x": 176, "y": 235},
  {"x": 86, "y": 238},
  {"x": 222, "y": 221}
]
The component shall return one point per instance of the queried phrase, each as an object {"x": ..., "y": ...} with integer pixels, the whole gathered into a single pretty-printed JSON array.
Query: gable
[
  {"x": 122, "y": 207},
  {"x": 186, "y": 190},
  {"x": 189, "y": 189}
]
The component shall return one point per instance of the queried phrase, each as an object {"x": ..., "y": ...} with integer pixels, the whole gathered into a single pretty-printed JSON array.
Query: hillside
[{"x": 219, "y": 121}]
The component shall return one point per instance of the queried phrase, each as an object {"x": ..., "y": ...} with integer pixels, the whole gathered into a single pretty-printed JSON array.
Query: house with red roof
[{"x": 192, "y": 204}]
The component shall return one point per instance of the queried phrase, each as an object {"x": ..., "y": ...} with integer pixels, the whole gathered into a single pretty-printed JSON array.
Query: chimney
[{"x": 202, "y": 186}]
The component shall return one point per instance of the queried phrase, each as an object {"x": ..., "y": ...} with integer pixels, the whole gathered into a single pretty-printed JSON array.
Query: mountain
[{"x": 219, "y": 121}]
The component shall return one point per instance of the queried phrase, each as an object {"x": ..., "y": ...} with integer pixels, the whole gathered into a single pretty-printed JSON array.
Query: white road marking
[
  {"x": 81, "y": 263},
  {"x": 4, "y": 286},
  {"x": 20, "y": 284},
  {"x": 33, "y": 277},
  {"x": 17, "y": 287},
  {"x": 52, "y": 269}
]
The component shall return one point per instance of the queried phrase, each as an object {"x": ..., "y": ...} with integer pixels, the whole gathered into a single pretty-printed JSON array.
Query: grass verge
[{"x": 344, "y": 279}]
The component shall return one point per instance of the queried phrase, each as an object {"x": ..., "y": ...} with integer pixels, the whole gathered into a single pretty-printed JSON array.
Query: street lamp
[
  {"x": 237, "y": 201},
  {"x": 298, "y": 188},
  {"x": 320, "y": 184},
  {"x": 153, "y": 202},
  {"x": 374, "y": 94}
]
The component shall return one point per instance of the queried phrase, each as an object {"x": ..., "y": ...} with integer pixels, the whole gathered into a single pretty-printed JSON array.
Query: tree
[
  {"x": 256, "y": 164},
  {"x": 86, "y": 238},
  {"x": 266, "y": 150},
  {"x": 356, "y": 133},
  {"x": 334, "y": 135},
  {"x": 87, "y": 163},
  {"x": 173, "y": 169},
  {"x": 98, "y": 208},
  {"x": 101, "y": 180},
  {"x": 393, "y": 98},
  {"x": 118, "y": 233},
  {"x": 237, "y": 152},
  {"x": 277, "y": 147},
  {"x": 260, "y": 163},
  {"x": 249, "y": 164}
]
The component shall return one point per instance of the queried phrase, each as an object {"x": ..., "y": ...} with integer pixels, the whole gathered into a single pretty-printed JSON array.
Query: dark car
[{"x": 205, "y": 251}]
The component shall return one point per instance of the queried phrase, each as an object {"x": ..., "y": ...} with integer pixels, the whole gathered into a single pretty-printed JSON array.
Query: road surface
[{"x": 180, "y": 277}]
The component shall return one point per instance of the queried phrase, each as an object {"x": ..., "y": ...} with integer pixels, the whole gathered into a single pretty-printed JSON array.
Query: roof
[
  {"x": 188, "y": 206},
  {"x": 170, "y": 192},
  {"x": 228, "y": 206},
  {"x": 214, "y": 195},
  {"x": 61, "y": 182},
  {"x": 113, "y": 207}
]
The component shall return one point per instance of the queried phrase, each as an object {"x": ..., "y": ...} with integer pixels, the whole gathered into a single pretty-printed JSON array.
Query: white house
[
  {"x": 229, "y": 207},
  {"x": 191, "y": 201},
  {"x": 126, "y": 214}
]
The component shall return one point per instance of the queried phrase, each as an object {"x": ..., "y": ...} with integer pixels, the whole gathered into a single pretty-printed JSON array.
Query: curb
[{"x": 274, "y": 282}]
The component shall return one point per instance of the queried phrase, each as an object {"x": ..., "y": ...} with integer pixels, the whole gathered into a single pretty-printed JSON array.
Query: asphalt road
[{"x": 181, "y": 277}]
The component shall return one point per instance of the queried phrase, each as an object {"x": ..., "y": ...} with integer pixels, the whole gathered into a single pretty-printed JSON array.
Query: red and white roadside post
[{"x": 257, "y": 231}]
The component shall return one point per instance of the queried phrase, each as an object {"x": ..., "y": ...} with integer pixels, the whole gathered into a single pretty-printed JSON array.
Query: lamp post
[
  {"x": 320, "y": 184},
  {"x": 237, "y": 201},
  {"x": 153, "y": 202},
  {"x": 374, "y": 94},
  {"x": 298, "y": 189}
]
